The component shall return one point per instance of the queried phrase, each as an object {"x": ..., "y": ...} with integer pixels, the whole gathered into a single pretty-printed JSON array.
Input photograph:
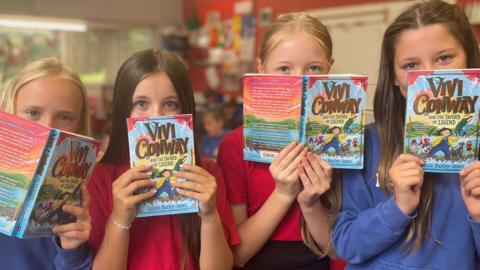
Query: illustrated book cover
[
  {"x": 441, "y": 118},
  {"x": 41, "y": 169},
  {"x": 325, "y": 112},
  {"x": 164, "y": 142}
]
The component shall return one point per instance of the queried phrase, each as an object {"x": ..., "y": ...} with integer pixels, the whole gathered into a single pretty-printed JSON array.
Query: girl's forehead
[
  {"x": 297, "y": 48},
  {"x": 155, "y": 85},
  {"x": 425, "y": 39},
  {"x": 298, "y": 35}
]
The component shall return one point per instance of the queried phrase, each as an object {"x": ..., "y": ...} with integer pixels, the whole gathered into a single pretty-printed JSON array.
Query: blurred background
[{"x": 217, "y": 39}]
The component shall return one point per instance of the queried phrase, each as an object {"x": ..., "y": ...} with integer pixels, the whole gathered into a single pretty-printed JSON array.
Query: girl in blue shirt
[
  {"x": 50, "y": 93},
  {"x": 395, "y": 216}
]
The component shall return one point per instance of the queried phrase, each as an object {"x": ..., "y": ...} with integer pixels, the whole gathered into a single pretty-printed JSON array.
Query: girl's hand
[
  {"x": 406, "y": 175},
  {"x": 124, "y": 200},
  {"x": 201, "y": 186},
  {"x": 316, "y": 177},
  {"x": 74, "y": 234},
  {"x": 284, "y": 169},
  {"x": 470, "y": 189}
]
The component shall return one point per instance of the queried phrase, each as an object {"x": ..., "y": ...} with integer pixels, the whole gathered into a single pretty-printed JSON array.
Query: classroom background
[{"x": 217, "y": 39}]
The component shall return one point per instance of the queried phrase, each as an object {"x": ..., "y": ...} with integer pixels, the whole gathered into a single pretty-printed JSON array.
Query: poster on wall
[{"x": 17, "y": 48}]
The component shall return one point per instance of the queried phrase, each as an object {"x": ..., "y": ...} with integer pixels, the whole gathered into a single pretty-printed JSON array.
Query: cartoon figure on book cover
[
  {"x": 469, "y": 149},
  {"x": 334, "y": 112},
  {"x": 164, "y": 184},
  {"x": 333, "y": 140},
  {"x": 442, "y": 115},
  {"x": 67, "y": 171},
  {"x": 443, "y": 143},
  {"x": 165, "y": 142}
]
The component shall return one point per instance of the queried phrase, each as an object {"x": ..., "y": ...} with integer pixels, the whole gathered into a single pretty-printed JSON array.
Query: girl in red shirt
[
  {"x": 150, "y": 83},
  {"x": 294, "y": 199}
]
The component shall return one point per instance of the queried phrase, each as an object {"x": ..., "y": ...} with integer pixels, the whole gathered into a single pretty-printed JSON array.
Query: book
[
  {"x": 441, "y": 118},
  {"x": 41, "y": 169},
  {"x": 164, "y": 142},
  {"x": 324, "y": 112}
]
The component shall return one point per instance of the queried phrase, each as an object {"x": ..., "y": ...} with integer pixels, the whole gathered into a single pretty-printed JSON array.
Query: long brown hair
[
  {"x": 135, "y": 69},
  {"x": 389, "y": 103},
  {"x": 281, "y": 30}
]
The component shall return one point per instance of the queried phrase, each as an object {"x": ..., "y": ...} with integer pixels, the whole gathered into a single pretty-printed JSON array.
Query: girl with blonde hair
[
  {"x": 50, "y": 93},
  {"x": 294, "y": 199}
]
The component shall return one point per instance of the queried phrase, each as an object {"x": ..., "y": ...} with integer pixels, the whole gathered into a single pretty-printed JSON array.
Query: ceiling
[{"x": 106, "y": 12}]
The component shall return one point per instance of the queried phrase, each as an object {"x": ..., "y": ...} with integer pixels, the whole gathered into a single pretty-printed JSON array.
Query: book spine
[
  {"x": 37, "y": 182},
  {"x": 303, "y": 125}
]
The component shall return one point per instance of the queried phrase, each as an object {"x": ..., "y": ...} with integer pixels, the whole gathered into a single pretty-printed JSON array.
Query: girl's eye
[
  {"x": 172, "y": 105},
  {"x": 140, "y": 104},
  {"x": 65, "y": 118},
  {"x": 444, "y": 58},
  {"x": 33, "y": 114},
  {"x": 283, "y": 69},
  {"x": 314, "y": 69},
  {"x": 409, "y": 66}
]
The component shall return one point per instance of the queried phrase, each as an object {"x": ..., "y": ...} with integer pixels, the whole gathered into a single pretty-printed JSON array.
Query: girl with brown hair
[
  {"x": 151, "y": 83},
  {"x": 395, "y": 216}
]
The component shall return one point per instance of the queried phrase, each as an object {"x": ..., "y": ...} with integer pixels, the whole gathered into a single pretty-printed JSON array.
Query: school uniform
[
  {"x": 155, "y": 242},
  {"x": 370, "y": 230},
  {"x": 251, "y": 183}
]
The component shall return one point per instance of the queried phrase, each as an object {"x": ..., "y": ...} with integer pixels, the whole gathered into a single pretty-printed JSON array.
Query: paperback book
[
  {"x": 166, "y": 143},
  {"x": 325, "y": 112},
  {"x": 441, "y": 119},
  {"x": 41, "y": 170}
]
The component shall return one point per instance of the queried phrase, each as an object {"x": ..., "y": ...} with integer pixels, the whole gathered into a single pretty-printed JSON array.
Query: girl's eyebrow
[
  {"x": 139, "y": 97},
  {"x": 317, "y": 62},
  {"x": 447, "y": 50},
  {"x": 34, "y": 107},
  {"x": 408, "y": 59},
  {"x": 282, "y": 62},
  {"x": 66, "y": 112}
]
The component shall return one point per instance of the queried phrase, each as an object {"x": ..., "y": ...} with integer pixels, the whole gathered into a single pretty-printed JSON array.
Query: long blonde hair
[
  {"x": 42, "y": 68},
  {"x": 281, "y": 30},
  {"x": 389, "y": 104}
]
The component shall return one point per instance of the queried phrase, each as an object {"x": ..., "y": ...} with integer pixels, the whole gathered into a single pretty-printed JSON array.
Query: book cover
[
  {"x": 71, "y": 164},
  {"x": 27, "y": 149},
  {"x": 21, "y": 145},
  {"x": 164, "y": 142},
  {"x": 335, "y": 118},
  {"x": 326, "y": 112},
  {"x": 272, "y": 109},
  {"x": 441, "y": 118}
]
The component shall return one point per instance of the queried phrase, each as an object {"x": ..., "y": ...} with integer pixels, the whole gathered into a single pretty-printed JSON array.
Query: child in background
[
  {"x": 277, "y": 206},
  {"x": 151, "y": 83},
  {"x": 395, "y": 216},
  {"x": 50, "y": 93},
  {"x": 214, "y": 124},
  {"x": 233, "y": 114},
  {"x": 213, "y": 100}
]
